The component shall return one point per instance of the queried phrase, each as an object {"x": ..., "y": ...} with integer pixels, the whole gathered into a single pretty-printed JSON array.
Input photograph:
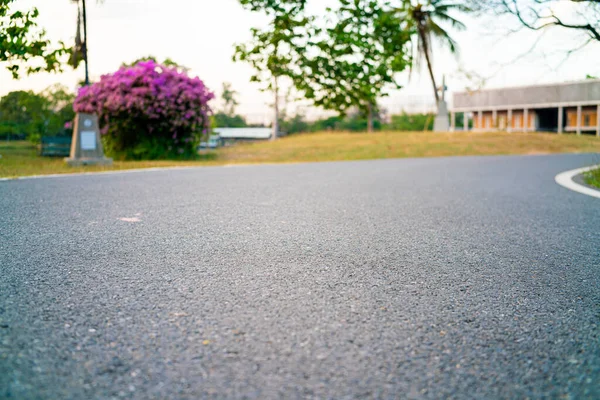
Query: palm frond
[
  {"x": 439, "y": 33},
  {"x": 456, "y": 24},
  {"x": 441, "y": 5}
]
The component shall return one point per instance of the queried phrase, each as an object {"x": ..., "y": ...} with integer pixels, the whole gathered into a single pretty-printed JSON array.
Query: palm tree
[{"x": 425, "y": 16}]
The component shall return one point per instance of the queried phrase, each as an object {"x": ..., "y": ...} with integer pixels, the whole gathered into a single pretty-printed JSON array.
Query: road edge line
[{"x": 565, "y": 179}]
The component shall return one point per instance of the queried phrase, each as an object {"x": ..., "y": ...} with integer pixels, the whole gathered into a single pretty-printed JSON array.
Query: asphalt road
[{"x": 473, "y": 277}]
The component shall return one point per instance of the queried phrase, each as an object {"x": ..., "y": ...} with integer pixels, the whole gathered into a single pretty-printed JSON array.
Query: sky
[{"x": 201, "y": 34}]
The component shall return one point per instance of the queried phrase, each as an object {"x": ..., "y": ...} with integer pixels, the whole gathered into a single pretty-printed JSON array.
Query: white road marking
[
  {"x": 134, "y": 219},
  {"x": 566, "y": 179}
]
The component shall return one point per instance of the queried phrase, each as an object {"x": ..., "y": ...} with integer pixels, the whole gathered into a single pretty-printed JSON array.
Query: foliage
[
  {"x": 149, "y": 111},
  {"x": 355, "y": 59},
  {"x": 35, "y": 115},
  {"x": 227, "y": 118},
  {"x": 411, "y": 122},
  {"x": 357, "y": 122},
  {"x": 229, "y": 97},
  {"x": 272, "y": 52},
  {"x": 23, "y": 45},
  {"x": 222, "y": 120},
  {"x": 425, "y": 18},
  {"x": 295, "y": 124}
]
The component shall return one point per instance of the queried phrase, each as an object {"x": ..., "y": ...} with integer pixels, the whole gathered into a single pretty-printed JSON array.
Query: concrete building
[{"x": 565, "y": 107}]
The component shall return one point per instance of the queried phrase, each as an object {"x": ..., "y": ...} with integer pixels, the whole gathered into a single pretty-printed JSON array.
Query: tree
[
  {"x": 222, "y": 120},
  {"x": 149, "y": 111},
  {"x": 59, "y": 100},
  {"x": 227, "y": 118},
  {"x": 272, "y": 51},
  {"x": 353, "y": 61},
  {"x": 24, "y": 46},
  {"x": 37, "y": 114},
  {"x": 425, "y": 17},
  {"x": 229, "y": 99},
  {"x": 580, "y": 16},
  {"x": 24, "y": 113}
]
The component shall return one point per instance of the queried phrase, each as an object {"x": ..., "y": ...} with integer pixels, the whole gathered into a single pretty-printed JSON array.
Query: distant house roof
[
  {"x": 571, "y": 93},
  {"x": 244, "y": 133}
]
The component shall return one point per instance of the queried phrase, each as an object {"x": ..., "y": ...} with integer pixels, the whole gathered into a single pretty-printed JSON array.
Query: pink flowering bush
[{"x": 148, "y": 111}]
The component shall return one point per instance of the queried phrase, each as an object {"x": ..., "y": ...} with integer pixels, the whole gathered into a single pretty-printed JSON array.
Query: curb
[{"x": 565, "y": 179}]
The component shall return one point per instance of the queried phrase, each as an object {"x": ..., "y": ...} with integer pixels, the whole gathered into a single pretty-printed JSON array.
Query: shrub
[
  {"x": 148, "y": 111},
  {"x": 411, "y": 122}
]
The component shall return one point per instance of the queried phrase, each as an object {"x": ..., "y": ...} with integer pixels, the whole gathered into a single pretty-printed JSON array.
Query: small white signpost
[{"x": 86, "y": 148}]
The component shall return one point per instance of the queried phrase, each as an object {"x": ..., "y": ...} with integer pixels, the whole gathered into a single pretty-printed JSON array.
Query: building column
[
  {"x": 480, "y": 120},
  {"x": 579, "y": 120},
  {"x": 525, "y": 120},
  {"x": 560, "y": 120},
  {"x": 452, "y": 121},
  {"x": 598, "y": 121},
  {"x": 495, "y": 119},
  {"x": 509, "y": 122},
  {"x": 466, "y": 121}
]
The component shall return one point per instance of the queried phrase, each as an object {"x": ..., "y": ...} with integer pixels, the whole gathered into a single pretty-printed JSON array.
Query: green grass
[
  {"x": 592, "y": 178},
  {"x": 21, "y": 159}
]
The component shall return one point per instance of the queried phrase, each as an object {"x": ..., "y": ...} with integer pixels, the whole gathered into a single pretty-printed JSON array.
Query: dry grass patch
[
  {"x": 353, "y": 146},
  {"x": 20, "y": 158}
]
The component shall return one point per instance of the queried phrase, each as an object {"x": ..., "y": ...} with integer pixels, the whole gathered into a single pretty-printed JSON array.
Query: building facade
[{"x": 566, "y": 107}]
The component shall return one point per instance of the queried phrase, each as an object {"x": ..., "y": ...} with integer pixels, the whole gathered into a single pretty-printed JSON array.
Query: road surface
[{"x": 474, "y": 277}]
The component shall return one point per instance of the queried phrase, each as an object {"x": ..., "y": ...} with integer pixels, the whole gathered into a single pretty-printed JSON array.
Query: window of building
[{"x": 586, "y": 120}]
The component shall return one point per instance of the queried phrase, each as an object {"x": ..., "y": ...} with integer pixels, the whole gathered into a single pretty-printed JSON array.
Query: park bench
[{"x": 55, "y": 146}]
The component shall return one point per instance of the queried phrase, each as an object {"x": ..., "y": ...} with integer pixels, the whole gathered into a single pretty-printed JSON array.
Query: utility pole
[{"x": 85, "y": 48}]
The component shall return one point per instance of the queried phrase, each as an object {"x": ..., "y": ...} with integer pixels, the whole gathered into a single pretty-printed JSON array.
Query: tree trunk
[
  {"x": 370, "y": 119},
  {"x": 276, "y": 108},
  {"x": 429, "y": 66}
]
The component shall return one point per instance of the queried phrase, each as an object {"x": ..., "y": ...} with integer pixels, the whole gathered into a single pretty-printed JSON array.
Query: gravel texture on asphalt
[{"x": 473, "y": 277}]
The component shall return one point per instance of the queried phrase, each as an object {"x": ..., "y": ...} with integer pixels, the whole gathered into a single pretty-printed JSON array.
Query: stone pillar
[
  {"x": 509, "y": 122},
  {"x": 495, "y": 119},
  {"x": 561, "y": 123},
  {"x": 480, "y": 120},
  {"x": 466, "y": 121},
  {"x": 598, "y": 121},
  {"x": 525, "y": 120},
  {"x": 578, "y": 120},
  {"x": 452, "y": 121},
  {"x": 86, "y": 148}
]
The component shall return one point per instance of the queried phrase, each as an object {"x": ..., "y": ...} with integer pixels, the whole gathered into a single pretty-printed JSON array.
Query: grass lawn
[
  {"x": 20, "y": 158},
  {"x": 593, "y": 177}
]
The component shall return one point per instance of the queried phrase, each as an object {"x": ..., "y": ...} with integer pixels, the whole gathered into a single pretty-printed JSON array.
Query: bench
[{"x": 55, "y": 146}]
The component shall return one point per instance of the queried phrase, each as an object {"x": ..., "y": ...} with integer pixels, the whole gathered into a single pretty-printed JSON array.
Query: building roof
[
  {"x": 574, "y": 93},
  {"x": 244, "y": 133}
]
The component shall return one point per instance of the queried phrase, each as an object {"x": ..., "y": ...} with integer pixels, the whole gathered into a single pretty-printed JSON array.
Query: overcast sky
[{"x": 200, "y": 34}]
